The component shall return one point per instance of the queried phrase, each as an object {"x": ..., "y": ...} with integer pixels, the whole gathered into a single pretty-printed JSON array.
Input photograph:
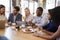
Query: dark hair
[
  {"x": 40, "y": 8},
  {"x": 17, "y": 8},
  {"x": 50, "y": 11},
  {"x": 55, "y": 15},
  {"x": 2, "y": 6}
]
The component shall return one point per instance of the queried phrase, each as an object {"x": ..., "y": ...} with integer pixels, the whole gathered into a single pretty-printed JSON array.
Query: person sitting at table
[
  {"x": 28, "y": 16},
  {"x": 2, "y": 12},
  {"x": 50, "y": 27},
  {"x": 15, "y": 16},
  {"x": 40, "y": 20},
  {"x": 55, "y": 16},
  {"x": 3, "y": 18}
]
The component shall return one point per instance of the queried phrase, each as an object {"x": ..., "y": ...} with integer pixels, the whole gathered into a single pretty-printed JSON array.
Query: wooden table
[{"x": 17, "y": 35}]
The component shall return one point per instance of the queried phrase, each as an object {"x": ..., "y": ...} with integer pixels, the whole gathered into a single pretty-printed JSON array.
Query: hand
[
  {"x": 42, "y": 36},
  {"x": 9, "y": 23},
  {"x": 40, "y": 28},
  {"x": 36, "y": 34},
  {"x": 30, "y": 23}
]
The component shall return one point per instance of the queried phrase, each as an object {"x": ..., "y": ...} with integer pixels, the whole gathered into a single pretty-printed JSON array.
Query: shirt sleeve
[
  {"x": 9, "y": 19},
  {"x": 33, "y": 20}
]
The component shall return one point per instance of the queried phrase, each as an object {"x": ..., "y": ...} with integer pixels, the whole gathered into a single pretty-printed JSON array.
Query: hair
[
  {"x": 27, "y": 9},
  {"x": 55, "y": 15},
  {"x": 50, "y": 11},
  {"x": 40, "y": 8},
  {"x": 17, "y": 8},
  {"x": 2, "y": 6}
]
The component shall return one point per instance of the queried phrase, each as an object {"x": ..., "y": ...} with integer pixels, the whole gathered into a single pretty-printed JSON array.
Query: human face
[
  {"x": 38, "y": 12},
  {"x": 2, "y": 10},
  {"x": 27, "y": 12},
  {"x": 49, "y": 16},
  {"x": 15, "y": 11}
]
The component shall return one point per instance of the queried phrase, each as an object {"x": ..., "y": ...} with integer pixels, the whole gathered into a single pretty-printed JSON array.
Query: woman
[
  {"x": 50, "y": 28},
  {"x": 2, "y": 11},
  {"x": 28, "y": 16},
  {"x": 55, "y": 16},
  {"x": 3, "y": 19}
]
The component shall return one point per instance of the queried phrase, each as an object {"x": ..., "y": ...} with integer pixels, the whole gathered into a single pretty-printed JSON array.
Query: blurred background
[{"x": 31, "y": 4}]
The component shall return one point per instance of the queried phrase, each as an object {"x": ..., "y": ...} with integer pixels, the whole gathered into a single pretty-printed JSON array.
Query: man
[
  {"x": 15, "y": 16},
  {"x": 55, "y": 15},
  {"x": 39, "y": 20}
]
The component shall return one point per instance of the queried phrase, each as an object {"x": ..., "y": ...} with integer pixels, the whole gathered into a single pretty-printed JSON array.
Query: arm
[
  {"x": 21, "y": 18},
  {"x": 9, "y": 19},
  {"x": 49, "y": 33},
  {"x": 49, "y": 30},
  {"x": 55, "y": 35},
  {"x": 44, "y": 21}
]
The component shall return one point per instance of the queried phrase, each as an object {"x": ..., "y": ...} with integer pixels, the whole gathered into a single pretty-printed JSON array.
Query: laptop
[{"x": 20, "y": 23}]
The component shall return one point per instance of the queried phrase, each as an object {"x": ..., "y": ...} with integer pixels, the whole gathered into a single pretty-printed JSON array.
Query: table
[{"x": 17, "y": 35}]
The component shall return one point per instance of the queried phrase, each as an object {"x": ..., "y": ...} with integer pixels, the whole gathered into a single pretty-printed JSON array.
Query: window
[
  {"x": 32, "y": 5},
  {"x": 7, "y": 4},
  {"x": 50, "y": 4}
]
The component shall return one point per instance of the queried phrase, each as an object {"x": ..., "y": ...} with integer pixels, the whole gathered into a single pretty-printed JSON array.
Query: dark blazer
[{"x": 11, "y": 18}]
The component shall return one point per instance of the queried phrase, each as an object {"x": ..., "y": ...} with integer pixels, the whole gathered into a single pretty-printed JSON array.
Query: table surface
[{"x": 18, "y": 35}]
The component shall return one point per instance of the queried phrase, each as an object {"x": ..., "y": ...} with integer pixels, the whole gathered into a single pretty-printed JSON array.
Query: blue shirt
[{"x": 51, "y": 27}]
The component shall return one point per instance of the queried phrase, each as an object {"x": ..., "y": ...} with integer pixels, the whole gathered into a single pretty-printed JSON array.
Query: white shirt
[
  {"x": 40, "y": 21},
  {"x": 29, "y": 18},
  {"x": 14, "y": 18}
]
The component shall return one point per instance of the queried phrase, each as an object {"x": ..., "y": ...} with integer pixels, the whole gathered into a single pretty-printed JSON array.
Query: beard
[{"x": 39, "y": 14}]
